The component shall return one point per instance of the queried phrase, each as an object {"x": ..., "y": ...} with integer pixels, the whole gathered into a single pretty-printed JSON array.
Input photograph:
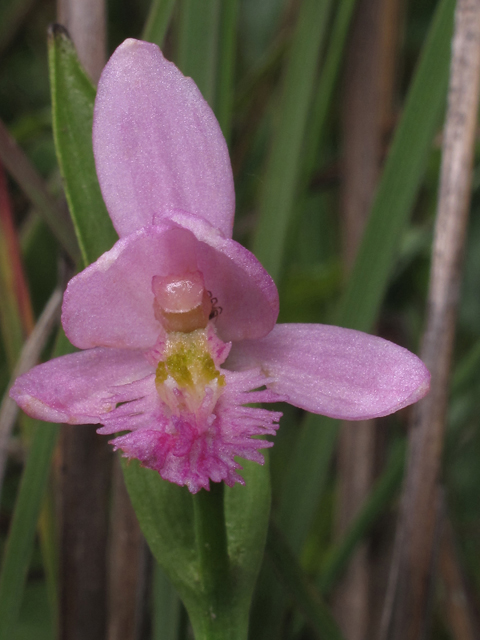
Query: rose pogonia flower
[{"x": 177, "y": 321}]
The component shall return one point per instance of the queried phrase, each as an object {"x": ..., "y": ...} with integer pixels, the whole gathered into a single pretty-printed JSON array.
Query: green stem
[
  {"x": 211, "y": 536},
  {"x": 218, "y": 619}
]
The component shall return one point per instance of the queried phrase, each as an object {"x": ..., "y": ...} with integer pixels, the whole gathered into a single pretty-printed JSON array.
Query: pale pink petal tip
[
  {"x": 335, "y": 372},
  {"x": 82, "y": 388}
]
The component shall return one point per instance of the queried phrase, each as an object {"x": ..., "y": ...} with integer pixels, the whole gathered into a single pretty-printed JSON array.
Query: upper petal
[
  {"x": 81, "y": 388},
  {"x": 157, "y": 143},
  {"x": 336, "y": 372},
  {"x": 246, "y": 293},
  {"x": 110, "y": 303}
]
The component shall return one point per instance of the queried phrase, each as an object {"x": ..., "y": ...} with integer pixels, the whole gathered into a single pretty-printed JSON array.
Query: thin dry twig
[
  {"x": 85, "y": 458},
  {"x": 406, "y": 613},
  {"x": 367, "y": 99},
  {"x": 29, "y": 357},
  {"x": 127, "y": 565},
  {"x": 459, "y": 613},
  {"x": 84, "y": 470},
  {"x": 20, "y": 168},
  {"x": 86, "y": 465}
]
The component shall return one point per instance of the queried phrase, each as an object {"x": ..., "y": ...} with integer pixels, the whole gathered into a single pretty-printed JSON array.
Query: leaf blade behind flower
[
  {"x": 158, "y": 21},
  {"x": 20, "y": 541},
  {"x": 285, "y": 159},
  {"x": 198, "y": 44},
  {"x": 165, "y": 513},
  {"x": 73, "y": 96}
]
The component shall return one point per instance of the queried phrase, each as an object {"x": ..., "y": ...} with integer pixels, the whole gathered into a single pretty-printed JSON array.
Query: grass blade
[
  {"x": 16, "y": 316},
  {"x": 306, "y": 597},
  {"x": 18, "y": 549},
  {"x": 226, "y": 65},
  {"x": 19, "y": 545},
  {"x": 380, "y": 496},
  {"x": 285, "y": 159},
  {"x": 20, "y": 168},
  {"x": 410, "y": 590},
  {"x": 198, "y": 44},
  {"x": 73, "y": 96},
  {"x": 327, "y": 82},
  {"x": 301, "y": 488},
  {"x": 157, "y": 21},
  {"x": 28, "y": 358}
]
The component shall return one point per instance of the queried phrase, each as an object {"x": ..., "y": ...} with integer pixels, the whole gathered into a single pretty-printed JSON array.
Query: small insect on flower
[
  {"x": 177, "y": 322},
  {"x": 216, "y": 310}
]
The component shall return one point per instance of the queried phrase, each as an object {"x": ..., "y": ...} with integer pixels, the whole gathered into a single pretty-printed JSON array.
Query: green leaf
[
  {"x": 165, "y": 514},
  {"x": 158, "y": 20},
  {"x": 247, "y": 510},
  {"x": 73, "y": 96},
  {"x": 19, "y": 546},
  {"x": 198, "y": 44},
  {"x": 305, "y": 595},
  {"x": 399, "y": 184},
  {"x": 21, "y": 536},
  {"x": 226, "y": 65},
  {"x": 285, "y": 159},
  {"x": 34, "y": 621},
  {"x": 380, "y": 496},
  {"x": 327, "y": 82},
  {"x": 212, "y": 565},
  {"x": 166, "y": 607}
]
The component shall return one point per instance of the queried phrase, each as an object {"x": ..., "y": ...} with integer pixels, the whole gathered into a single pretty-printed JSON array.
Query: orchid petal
[
  {"x": 157, "y": 144},
  {"x": 81, "y": 388},
  {"x": 336, "y": 372},
  {"x": 110, "y": 304},
  {"x": 246, "y": 293}
]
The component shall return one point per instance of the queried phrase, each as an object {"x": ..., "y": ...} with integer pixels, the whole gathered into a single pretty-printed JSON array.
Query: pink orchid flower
[{"x": 177, "y": 321}]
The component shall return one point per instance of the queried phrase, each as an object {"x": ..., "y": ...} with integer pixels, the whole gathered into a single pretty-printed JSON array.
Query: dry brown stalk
[
  {"x": 85, "y": 21},
  {"x": 85, "y": 459},
  {"x": 406, "y": 613},
  {"x": 460, "y": 617},
  {"x": 127, "y": 566},
  {"x": 24, "y": 173},
  {"x": 86, "y": 465},
  {"x": 367, "y": 98}
]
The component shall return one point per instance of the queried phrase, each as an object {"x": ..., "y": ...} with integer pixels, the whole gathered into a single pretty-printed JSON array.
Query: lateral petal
[
  {"x": 82, "y": 388},
  {"x": 336, "y": 372}
]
